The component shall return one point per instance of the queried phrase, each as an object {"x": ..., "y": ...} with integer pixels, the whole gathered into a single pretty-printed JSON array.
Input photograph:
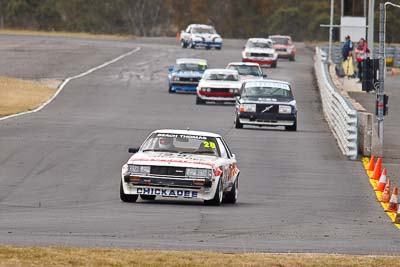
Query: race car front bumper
[
  {"x": 207, "y": 44},
  {"x": 260, "y": 61},
  {"x": 260, "y": 119},
  {"x": 217, "y": 97},
  {"x": 184, "y": 87},
  {"x": 170, "y": 187}
]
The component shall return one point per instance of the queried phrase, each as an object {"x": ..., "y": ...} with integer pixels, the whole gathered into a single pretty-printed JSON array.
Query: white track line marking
[{"x": 64, "y": 83}]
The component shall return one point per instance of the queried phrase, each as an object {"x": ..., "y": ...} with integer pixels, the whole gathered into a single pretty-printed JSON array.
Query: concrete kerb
[{"x": 368, "y": 140}]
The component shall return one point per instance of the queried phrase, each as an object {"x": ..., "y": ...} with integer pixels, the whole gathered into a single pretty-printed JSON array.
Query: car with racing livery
[
  {"x": 266, "y": 103},
  {"x": 181, "y": 164},
  {"x": 247, "y": 70},
  {"x": 185, "y": 75},
  {"x": 218, "y": 85},
  {"x": 261, "y": 51},
  {"x": 200, "y": 35},
  {"x": 284, "y": 46}
]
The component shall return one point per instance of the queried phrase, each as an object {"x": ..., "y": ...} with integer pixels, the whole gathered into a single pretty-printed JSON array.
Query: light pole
[
  {"x": 371, "y": 9},
  {"x": 330, "y": 33}
]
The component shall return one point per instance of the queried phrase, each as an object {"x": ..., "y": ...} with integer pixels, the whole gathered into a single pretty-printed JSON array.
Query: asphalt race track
[{"x": 60, "y": 167}]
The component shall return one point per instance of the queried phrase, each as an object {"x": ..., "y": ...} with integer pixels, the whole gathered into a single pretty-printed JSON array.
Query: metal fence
[
  {"x": 339, "y": 113},
  {"x": 392, "y": 52}
]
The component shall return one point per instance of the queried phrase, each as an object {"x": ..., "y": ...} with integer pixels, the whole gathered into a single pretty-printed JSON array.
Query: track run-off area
[{"x": 60, "y": 166}]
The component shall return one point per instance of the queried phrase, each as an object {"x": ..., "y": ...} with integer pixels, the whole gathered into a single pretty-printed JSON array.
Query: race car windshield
[
  {"x": 259, "y": 45},
  {"x": 266, "y": 92},
  {"x": 181, "y": 143},
  {"x": 246, "y": 70},
  {"x": 190, "y": 67},
  {"x": 203, "y": 30},
  {"x": 221, "y": 77},
  {"x": 281, "y": 41}
]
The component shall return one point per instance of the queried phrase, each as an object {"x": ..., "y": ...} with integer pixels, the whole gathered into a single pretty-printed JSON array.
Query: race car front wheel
[
  {"x": 292, "y": 128},
  {"x": 199, "y": 101},
  {"x": 125, "y": 197},
  {"x": 238, "y": 125},
  {"x": 219, "y": 194},
  {"x": 232, "y": 196},
  {"x": 183, "y": 44}
]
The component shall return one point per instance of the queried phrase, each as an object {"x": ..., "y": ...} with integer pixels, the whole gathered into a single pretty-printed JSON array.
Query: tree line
[{"x": 232, "y": 18}]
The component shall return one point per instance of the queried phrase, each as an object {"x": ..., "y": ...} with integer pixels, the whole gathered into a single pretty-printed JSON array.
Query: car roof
[
  {"x": 261, "y": 40},
  {"x": 201, "y": 25},
  {"x": 269, "y": 80},
  {"x": 280, "y": 36},
  {"x": 187, "y": 132},
  {"x": 244, "y": 64},
  {"x": 227, "y": 71},
  {"x": 191, "y": 60}
]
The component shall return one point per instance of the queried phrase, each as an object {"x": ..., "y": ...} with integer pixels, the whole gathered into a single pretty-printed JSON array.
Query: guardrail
[
  {"x": 339, "y": 113},
  {"x": 392, "y": 52}
]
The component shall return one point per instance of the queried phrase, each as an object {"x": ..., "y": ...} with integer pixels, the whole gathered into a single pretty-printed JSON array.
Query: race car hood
[
  {"x": 188, "y": 74},
  {"x": 260, "y": 50},
  {"x": 174, "y": 159},
  {"x": 220, "y": 84},
  {"x": 283, "y": 100}
]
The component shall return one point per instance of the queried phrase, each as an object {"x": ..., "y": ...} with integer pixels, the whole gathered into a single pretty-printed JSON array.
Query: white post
[
  {"x": 370, "y": 39},
  {"x": 330, "y": 33}
]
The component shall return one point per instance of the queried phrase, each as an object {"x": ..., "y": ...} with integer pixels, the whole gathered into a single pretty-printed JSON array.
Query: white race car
[
  {"x": 247, "y": 70},
  {"x": 261, "y": 51},
  {"x": 218, "y": 85},
  {"x": 181, "y": 164},
  {"x": 200, "y": 35}
]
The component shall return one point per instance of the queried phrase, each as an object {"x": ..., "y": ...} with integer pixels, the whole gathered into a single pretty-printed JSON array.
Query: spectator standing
[
  {"x": 347, "y": 48},
  {"x": 361, "y": 54}
]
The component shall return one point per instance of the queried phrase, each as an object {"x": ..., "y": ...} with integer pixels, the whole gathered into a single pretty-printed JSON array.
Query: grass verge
[
  {"x": 63, "y": 256},
  {"x": 66, "y": 34},
  {"x": 17, "y": 96}
]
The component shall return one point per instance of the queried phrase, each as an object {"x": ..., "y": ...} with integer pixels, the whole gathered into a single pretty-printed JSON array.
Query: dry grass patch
[
  {"x": 62, "y": 256},
  {"x": 19, "y": 95},
  {"x": 67, "y": 34}
]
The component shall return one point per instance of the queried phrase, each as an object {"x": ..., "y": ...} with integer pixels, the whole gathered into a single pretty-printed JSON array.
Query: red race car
[{"x": 284, "y": 46}]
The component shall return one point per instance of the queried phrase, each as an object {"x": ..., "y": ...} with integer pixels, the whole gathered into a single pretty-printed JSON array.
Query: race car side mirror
[
  {"x": 133, "y": 150},
  {"x": 170, "y": 69}
]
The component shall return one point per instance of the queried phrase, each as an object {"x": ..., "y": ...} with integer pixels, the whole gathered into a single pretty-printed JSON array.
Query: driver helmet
[{"x": 165, "y": 142}]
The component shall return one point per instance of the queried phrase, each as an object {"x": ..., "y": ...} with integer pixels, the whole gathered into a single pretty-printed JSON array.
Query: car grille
[
  {"x": 220, "y": 90},
  {"x": 168, "y": 170},
  {"x": 259, "y": 55},
  {"x": 281, "y": 50},
  {"x": 186, "y": 79},
  {"x": 267, "y": 108}
]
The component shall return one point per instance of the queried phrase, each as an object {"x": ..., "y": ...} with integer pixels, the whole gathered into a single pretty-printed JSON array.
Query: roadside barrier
[
  {"x": 339, "y": 113},
  {"x": 389, "y": 202}
]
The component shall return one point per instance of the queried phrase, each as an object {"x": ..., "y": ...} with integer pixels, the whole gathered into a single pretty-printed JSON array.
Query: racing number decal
[{"x": 209, "y": 144}]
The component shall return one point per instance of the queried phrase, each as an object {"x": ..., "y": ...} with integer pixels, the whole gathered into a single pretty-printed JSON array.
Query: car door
[{"x": 229, "y": 165}]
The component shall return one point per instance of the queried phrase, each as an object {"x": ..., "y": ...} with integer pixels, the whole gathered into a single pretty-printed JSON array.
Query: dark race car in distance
[
  {"x": 266, "y": 103},
  {"x": 185, "y": 75}
]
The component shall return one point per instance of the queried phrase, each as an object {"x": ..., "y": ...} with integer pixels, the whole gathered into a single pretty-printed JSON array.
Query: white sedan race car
[
  {"x": 181, "y": 164},
  {"x": 200, "y": 35},
  {"x": 218, "y": 85}
]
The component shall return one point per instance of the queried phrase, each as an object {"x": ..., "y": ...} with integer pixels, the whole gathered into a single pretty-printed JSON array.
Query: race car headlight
[
  {"x": 233, "y": 90},
  {"x": 205, "y": 89},
  {"x": 248, "y": 108},
  {"x": 124, "y": 170},
  {"x": 218, "y": 40},
  {"x": 138, "y": 169},
  {"x": 174, "y": 78},
  {"x": 198, "y": 173},
  {"x": 247, "y": 54},
  {"x": 285, "y": 109}
]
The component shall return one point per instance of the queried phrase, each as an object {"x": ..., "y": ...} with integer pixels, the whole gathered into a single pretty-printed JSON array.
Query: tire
[
  {"x": 219, "y": 194},
  {"x": 170, "y": 89},
  {"x": 191, "y": 45},
  {"x": 238, "y": 125},
  {"x": 199, "y": 101},
  {"x": 292, "y": 58},
  {"x": 147, "y": 197},
  {"x": 218, "y": 47},
  {"x": 232, "y": 196},
  {"x": 292, "y": 128},
  {"x": 183, "y": 44},
  {"x": 208, "y": 48},
  {"x": 273, "y": 65},
  {"x": 124, "y": 197}
]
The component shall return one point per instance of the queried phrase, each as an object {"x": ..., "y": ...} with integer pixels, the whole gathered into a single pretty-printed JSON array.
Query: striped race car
[
  {"x": 181, "y": 164},
  {"x": 184, "y": 76}
]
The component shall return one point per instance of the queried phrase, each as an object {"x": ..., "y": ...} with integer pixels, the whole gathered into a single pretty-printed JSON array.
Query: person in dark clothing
[{"x": 347, "y": 48}]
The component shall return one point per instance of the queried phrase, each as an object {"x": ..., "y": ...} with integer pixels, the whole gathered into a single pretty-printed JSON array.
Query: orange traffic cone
[
  {"x": 386, "y": 193},
  {"x": 377, "y": 170},
  {"x": 393, "y": 205},
  {"x": 382, "y": 181},
  {"x": 371, "y": 164}
]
